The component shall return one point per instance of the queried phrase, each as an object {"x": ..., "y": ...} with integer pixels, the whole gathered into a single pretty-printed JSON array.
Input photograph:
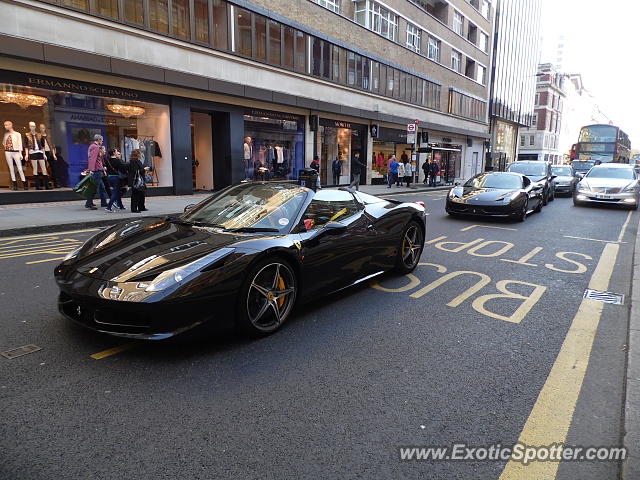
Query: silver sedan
[{"x": 609, "y": 183}]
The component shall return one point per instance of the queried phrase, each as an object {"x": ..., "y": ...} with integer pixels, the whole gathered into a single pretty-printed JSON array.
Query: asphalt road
[{"x": 349, "y": 381}]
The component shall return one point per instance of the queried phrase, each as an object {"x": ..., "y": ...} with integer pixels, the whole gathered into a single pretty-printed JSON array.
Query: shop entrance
[
  {"x": 202, "y": 171},
  {"x": 340, "y": 140}
]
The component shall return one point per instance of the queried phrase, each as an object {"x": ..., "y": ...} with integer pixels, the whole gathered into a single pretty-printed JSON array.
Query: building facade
[
  {"x": 513, "y": 84},
  {"x": 215, "y": 92},
  {"x": 541, "y": 140}
]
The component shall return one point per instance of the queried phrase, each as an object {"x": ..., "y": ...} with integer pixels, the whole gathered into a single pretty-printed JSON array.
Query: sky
[{"x": 602, "y": 42}]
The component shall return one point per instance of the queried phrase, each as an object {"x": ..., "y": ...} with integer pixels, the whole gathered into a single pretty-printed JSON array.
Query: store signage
[
  {"x": 325, "y": 122},
  {"x": 254, "y": 112}
]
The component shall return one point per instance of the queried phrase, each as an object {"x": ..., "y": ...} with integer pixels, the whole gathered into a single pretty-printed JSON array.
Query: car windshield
[
  {"x": 529, "y": 168},
  {"x": 562, "y": 171},
  {"x": 495, "y": 180},
  {"x": 610, "y": 172},
  {"x": 251, "y": 206},
  {"x": 582, "y": 165}
]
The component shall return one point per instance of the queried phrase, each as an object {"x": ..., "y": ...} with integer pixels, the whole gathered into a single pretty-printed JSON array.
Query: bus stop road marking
[{"x": 113, "y": 351}]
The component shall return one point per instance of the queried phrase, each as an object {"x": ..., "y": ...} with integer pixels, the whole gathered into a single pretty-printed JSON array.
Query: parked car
[
  {"x": 245, "y": 255},
  {"x": 565, "y": 181},
  {"x": 496, "y": 194},
  {"x": 609, "y": 183},
  {"x": 539, "y": 173}
]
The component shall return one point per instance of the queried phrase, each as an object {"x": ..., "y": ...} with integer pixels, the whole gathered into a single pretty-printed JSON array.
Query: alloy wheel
[
  {"x": 271, "y": 296},
  {"x": 411, "y": 246}
]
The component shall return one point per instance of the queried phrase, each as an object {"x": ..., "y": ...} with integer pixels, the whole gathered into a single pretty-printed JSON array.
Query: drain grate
[
  {"x": 606, "y": 297},
  {"x": 18, "y": 352}
]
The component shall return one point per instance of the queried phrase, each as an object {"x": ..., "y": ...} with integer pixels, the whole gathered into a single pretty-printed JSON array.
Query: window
[
  {"x": 472, "y": 33},
  {"x": 537, "y": 99},
  {"x": 180, "y": 18},
  {"x": 481, "y": 74},
  {"x": 470, "y": 69},
  {"x": 484, "y": 42},
  {"x": 333, "y": 5},
  {"x": 275, "y": 43},
  {"x": 79, "y": 4},
  {"x": 466, "y": 106},
  {"x": 329, "y": 205},
  {"x": 522, "y": 140},
  {"x": 201, "y": 15},
  {"x": 321, "y": 58},
  {"x": 456, "y": 60},
  {"x": 134, "y": 11},
  {"x": 159, "y": 15},
  {"x": 432, "y": 94},
  {"x": 243, "y": 34},
  {"x": 532, "y": 140},
  {"x": 413, "y": 37},
  {"x": 107, "y": 8},
  {"x": 484, "y": 8},
  {"x": 371, "y": 15},
  {"x": 434, "y": 49},
  {"x": 220, "y": 24},
  {"x": 458, "y": 23},
  {"x": 288, "y": 51},
  {"x": 534, "y": 120},
  {"x": 301, "y": 52}
]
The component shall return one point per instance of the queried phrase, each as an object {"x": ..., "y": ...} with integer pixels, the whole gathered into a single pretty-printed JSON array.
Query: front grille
[{"x": 609, "y": 190}]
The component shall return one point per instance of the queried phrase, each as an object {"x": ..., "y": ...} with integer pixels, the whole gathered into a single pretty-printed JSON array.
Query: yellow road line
[
  {"x": 470, "y": 227},
  {"x": 551, "y": 417},
  {"x": 52, "y": 251},
  {"x": 50, "y": 234},
  {"x": 591, "y": 239},
  {"x": 45, "y": 260},
  {"x": 113, "y": 351},
  {"x": 27, "y": 246},
  {"x": 624, "y": 227}
]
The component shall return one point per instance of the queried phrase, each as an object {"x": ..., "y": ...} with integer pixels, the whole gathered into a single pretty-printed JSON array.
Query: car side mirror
[
  {"x": 554, "y": 176},
  {"x": 334, "y": 228},
  {"x": 457, "y": 184},
  {"x": 579, "y": 175},
  {"x": 189, "y": 207}
]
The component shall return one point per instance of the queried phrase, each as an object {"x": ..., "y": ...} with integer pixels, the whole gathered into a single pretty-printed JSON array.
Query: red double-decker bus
[{"x": 600, "y": 144}]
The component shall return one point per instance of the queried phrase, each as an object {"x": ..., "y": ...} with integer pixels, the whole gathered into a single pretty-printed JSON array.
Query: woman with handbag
[
  {"x": 136, "y": 182},
  {"x": 116, "y": 174}
]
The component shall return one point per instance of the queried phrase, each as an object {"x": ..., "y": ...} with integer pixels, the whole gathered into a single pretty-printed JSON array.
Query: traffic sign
[{"x": 411, "y": 127}]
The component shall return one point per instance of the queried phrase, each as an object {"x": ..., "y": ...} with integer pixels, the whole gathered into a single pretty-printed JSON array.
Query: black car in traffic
[
  {"x": 246, "y": 255},
  {"x": 496, "y": 194},
  {"x": 540, "y": 174}
]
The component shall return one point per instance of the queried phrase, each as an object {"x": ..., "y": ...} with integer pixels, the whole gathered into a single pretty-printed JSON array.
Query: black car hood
[
  {"x": 147, "y": 247},
  {"x": 536, "y": 178},
  {"x": 486, "y": 195}
]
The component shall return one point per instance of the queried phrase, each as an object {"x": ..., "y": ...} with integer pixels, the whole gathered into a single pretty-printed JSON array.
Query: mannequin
[
  {"x": 34, "y": 151},
  {"x": 12, "y": 143},
  {"x": 49, "y": 153},
  {"x": 248, "y": 151}
]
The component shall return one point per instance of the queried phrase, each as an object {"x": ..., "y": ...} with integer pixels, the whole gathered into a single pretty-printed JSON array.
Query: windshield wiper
[{"x": 252, "y": 229}]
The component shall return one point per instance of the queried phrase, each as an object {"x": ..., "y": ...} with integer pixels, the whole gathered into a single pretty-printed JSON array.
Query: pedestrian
[
  {"x": 425, "y": 169},
  {"x": 116, "y": 174},
  {"x": 357, "y": 169},
  {"x": 136, "y": 182},
  {"x": 315, "y": 164},
  {"x": 336, "y": 168},
  {"x": 393, "y": 171},
  {"x": 95, "y": 166},
  {"x": 434, "y": 171},
  {"x": 408, "y": 173},
  {"x": 401, "y": 173}
]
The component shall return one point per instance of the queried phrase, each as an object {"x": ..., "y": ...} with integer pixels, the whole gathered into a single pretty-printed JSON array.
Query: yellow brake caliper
[{"x": 281, "y": 286}]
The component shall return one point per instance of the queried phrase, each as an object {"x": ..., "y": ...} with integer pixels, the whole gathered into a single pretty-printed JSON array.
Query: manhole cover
[
  {"x": 606, "y": 297},
  {"x": 18, "y": 352}
]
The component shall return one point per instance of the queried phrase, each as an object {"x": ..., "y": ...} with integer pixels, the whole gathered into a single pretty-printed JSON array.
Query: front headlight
[
  {"x": 177, "y": 275},
  {"x": 452, "y": 194},
  {"x": 583, "y": 188},
  {"x": 630, "y": 188},
  {"x": 72, "y": 254}
]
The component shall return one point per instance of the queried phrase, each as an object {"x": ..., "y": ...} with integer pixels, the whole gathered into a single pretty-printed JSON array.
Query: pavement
[
  {"x": 23, "y": 219},
  {"x": 488, "y": 341}
]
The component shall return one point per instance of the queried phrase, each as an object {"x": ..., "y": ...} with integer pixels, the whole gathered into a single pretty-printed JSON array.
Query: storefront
[
  {"x": 448, "y": 158},
  {"x": 340, "y": 140},
  {"x": 67, "y": 115},
  {"x": 273, "y": 147},
  {"x": 389, "y": 142}
]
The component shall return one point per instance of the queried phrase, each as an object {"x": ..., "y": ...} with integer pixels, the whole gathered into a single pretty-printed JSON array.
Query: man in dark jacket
[
  {"x": 357, "y": 169},
  {"x": 336, "y": 168},
  {"x": 434, "y": 170}
]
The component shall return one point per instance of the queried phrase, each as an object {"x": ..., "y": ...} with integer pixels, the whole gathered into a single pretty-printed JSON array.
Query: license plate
[{"x": 604, "y": 197}]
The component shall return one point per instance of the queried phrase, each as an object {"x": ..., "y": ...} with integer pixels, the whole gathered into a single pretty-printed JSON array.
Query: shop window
[
  {"x": 79, "y": 4},
  {"x": 180, "y": 19},
  {"x": 260, "y": 28},
  {"x": 134, "y": 11},
  {"x": 275, "y": 43},
  {"x": 288, "y": 50},
  {"x": 201, "y": 16},
  {"x": 301, "y": 52},
  {"x": 159, "y": 15},
  {"x": 71, "y": 120},
  {"x": 220, "y": 24},
  {"x": 243, "y": 34},
  {"x": 107, "y": 8},
  {"x": 273, "y": 146}
]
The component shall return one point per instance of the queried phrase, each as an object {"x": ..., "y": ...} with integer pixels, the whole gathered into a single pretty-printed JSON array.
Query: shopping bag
[{"x": 86, "y": 187}]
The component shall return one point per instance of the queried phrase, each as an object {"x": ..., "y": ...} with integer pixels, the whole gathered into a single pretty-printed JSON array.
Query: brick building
[{"x": 221, "y": 91}]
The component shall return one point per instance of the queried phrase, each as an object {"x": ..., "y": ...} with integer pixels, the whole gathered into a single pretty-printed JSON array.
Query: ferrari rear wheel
[
  {"x": 267, "y": 297},
  {"x": 523, "y": 214},
  {"x": 410, "y": 248}
]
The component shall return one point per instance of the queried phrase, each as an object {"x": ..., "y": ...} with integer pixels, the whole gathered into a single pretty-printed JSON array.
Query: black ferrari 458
[
  {"x": 247, "y": 254},
  {"x": 498, "y": 194}
]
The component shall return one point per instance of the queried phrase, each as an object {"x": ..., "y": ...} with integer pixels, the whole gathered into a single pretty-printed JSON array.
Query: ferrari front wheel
[
  {"x": 267, "y": 297},
  {"x": 410, "y": 248}
]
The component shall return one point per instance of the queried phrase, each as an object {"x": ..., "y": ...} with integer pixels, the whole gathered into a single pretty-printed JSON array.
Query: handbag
[{"x": 138, "y": 183}]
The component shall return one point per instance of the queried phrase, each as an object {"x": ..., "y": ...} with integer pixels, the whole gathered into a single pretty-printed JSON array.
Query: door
[{"x": 334, "y": 260}]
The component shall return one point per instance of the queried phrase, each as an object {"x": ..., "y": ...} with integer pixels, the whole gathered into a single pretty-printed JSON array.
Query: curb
[
  {"x": 62, "y": 227},
  {"x": 631, "y": 439},
  {"x": 417, "y": 190}
]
